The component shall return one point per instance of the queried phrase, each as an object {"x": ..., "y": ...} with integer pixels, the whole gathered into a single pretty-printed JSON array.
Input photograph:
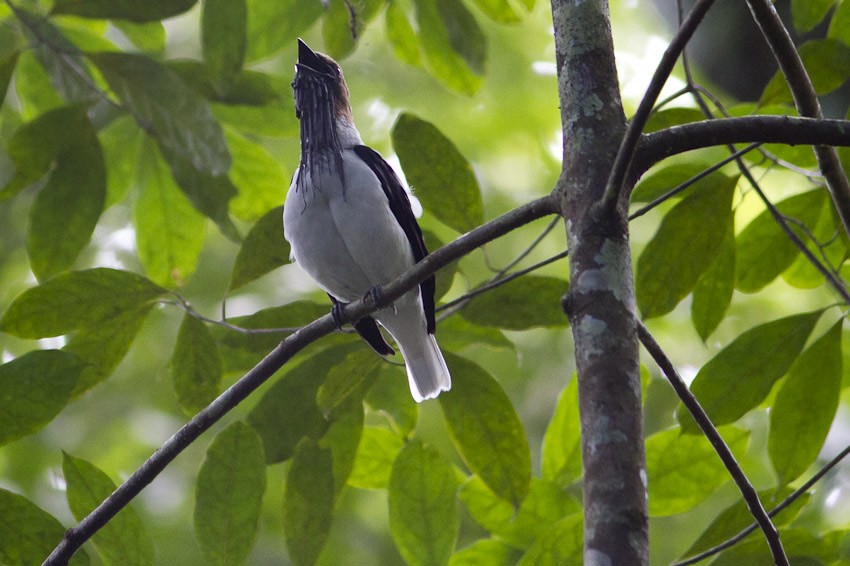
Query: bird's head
[{"x": 319, "y": 85}]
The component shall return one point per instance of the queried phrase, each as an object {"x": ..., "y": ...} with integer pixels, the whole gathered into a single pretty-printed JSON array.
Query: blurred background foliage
[{"x": 494, "y": 95}]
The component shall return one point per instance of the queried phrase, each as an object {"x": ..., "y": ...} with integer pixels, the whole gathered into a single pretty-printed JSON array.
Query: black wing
[
  {"x": 367, "y": 328},
  {"x": 400, "y": 207}
]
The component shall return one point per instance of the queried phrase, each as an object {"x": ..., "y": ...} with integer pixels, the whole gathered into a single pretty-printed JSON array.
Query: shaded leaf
[
  {"x": 344, "y": 22},
  {"x": 445, "y": 276},
  {"x": 490, "y": 551},
  {"x": 675, "y": 116},
  {"x": 34, "y": 388},
  {"x": 75, "y": 300},
  {"x": 545, "y": 505},
  {"x": 123, "y": 540},
  {"x": 273, "y": 26},
  {"x": 683, "y": 470},
  {"x": 33, "y": 87},
  {"x": 28, "y": 533},
  {"x": 342, "y": 438},
  {"x": 525, "y": 302},
  {"x": 441, "y": 176},
  {"x": 839, "y": 25},
  {"x": 486, "y": 430},
  {"x": 561, "y": 452},
  {"x": 121, "y": 142},
  {"x": 805, "y": 407},
  {"x": 390, "y": 396},
  {"x": 229, "y": 495},
  {"x": 442, "y": 24},
  {"x": 665, "y": 179},
  {"x": 809, "y": 13},
  {"x": 741, "y": 375},
  {"x": 195, "y": 366},
  {"x": 7, "y": 66},
  {"x": 263, "y": 250},
  {"x": 148, "y": 36},
  {"x": 402, "y": 35},
  {"x": 455, "y": 333},
  {"x": 348, "y": 381},
  {"x": 308, "y": 502},
  {"x": 763, "y": 250},
  {"x": 260, "y": 179},
  {"x": 713, "y": 290},
  {"x": 563, "y": 543},
  {"x": 250, "y": 88},
  {"x": 686, "y": 243},
  {"x": 498, "y": 10},
  {"x": 423, "y": 520},
  {"x": 375, "y": 456},
  {"x": 274, "y": 119},
  {"x": 133, "y": 10},
  {"x": 827, "y": 62},
  {"x": 223, "y": 38},
  {"x": 830, "y": 247}
]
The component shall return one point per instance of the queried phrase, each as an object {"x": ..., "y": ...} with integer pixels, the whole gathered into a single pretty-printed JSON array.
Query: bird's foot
[
  {"x": 375, "y": 295},
  {"x": 336, "y": 313}
]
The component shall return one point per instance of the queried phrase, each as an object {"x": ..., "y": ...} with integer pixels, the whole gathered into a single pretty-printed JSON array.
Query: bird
[{"x": 351, "y": 227}]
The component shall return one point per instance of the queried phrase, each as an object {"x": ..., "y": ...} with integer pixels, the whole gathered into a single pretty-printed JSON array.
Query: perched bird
[{"x": 349, "y": 222}]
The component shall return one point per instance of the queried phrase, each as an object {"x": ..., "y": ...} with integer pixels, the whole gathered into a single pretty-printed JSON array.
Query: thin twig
[{"x": 704, "y": 422}]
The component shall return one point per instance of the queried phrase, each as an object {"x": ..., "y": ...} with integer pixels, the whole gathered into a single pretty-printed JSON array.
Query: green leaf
[
  {"x": 763, "y": 250},
  {"x": 342, "y": 438},
  {"x": 375, "y": 456},
  {"x": 7, "y": 66},
  {"x": 665, "y": 179},
  {"x": 737, "y": 516},
  {"x": 498, "y": 10},
  {"x": 839, "y": 25},
  {"x": 390, "y": 396},
  {"x": 34, "y": 388},
  {"x": 489, "y": 551},
  {"x": 486, "y": 430},
  {"x": 170, "y": 233},
  {"x": 121, "y": 142},
  {"x": 133, "y": 10},
  {"x": 209, "y": 194},
  {"x": 525, "y": 302},
  {"x": 805, "y": 407},
  {"x": 308, "y": 502},
  {"x": 669, "y": 117},
  {"x": 545, "y": 505},
  {"x": 348, "y": 381},
  {"x": 344, "y": 22},
  {"x": 457, "y": 62},
  {"x": 445, "y": 276},
  {"x": 263, "y": 250},
  {"x": 402, "y": 35},
  {"x": 223, "y": 38},
  {"x": 741, "y": 375},
  {"x": 287, "y": 411},
  {"x": 251, "y": 88},
  {"x": 827, "y": 62},
  {"x": 713, "y": 290},
  {"x": 178, "y": 118},
  {"x": 809, "y": 13},
  {"x": 260, "y": 179},
  {"x": 684, "y": 470},
  {"x": 32, "y": 85},
  {"x": 275, "y": 25},
  {"x": 103, "y": 346},
  {"x": 563, "y": 543},
  {"x": 123, "y": 540},
  {"x": 274, "y": 119},
  {"x": 561, "y": 452},
  {"x": 423, "y": 521},
  {"x": 195, "y": 366},
  {"x": 441, "y": 175},
  {"x": 149, "y": 36},
  {"x": 68, "y": 206},
  {"x": 28, "y": 533},
  {"x": 229, "y": 495},
  {"x": 830, "y": 246},
  {"x": 455, "y": 333},
  {"x": 691, "y": 232},
  {"x": 75, "y": 300}
]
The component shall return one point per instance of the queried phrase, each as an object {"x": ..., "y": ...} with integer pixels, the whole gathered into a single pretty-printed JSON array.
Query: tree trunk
[{"x": 601, "y": 300}]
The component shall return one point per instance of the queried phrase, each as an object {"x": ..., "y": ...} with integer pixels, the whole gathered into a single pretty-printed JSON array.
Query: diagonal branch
[
  {"x": 805, "y": 98},
  {"x": 704, "y": 422},
  {"x": 291, "y": 345}
]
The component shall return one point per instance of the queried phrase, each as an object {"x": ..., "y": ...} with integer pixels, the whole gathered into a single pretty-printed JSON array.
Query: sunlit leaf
[
  {"x": 33, "y": 88},
  {"x": 402, "y": 35},
  {"x": 273, "y": 26},
  {"x": 79, "y": 299},
  {"x": 123, "y": 540},
  {"x": 684, "y": 470},
  {"x": 133, "y": 10},
  {"x": 455, "y": 333},
  {"x": 249, "y": 87},
  {"x": 223, "y": 38},
  {"x": 545, "y": 505},
  {"x": 839, "y": 25},
  {"x": 487, "y": 430},
  {"x": 264, "y": 249},
  {"x": 490, "y": 551},
  {"x": 344, "y": 21},
  {"x": 809, "y": 13},
  {"x": 660, "y": 182},
  {"x": 348, "y": 381},
  {"x": 195, "y": 365},
  {"x": 676, "y": 116},
  {"x": 561, "y": 452},
  {"x": 28, "y": 533},
  {"x": 34, "y": 388},
  {"x": 499, "y": 10},
  {"x": 763, "y": 250},
  {"x": 423, "y": 520},
  {"x": 390, "y": 396},
  {"x": 342, "y": 438},
  {"x": 229, "y": 495},
  {"x": 683, "y": 248},
  {"x": 375, "y": 456},
  {"x": 805, "y": 407},
  {"x": 7, "y": 66},
  {"x": 441, "y": 175},
  {"x": 713, "y": 290},
  {"x": 741, "y": 375},
  {"x": 121, "y": 142},
  {"x": 308, "y": 502},
  {"x": 148, "y": 36},
  {"x": 563, "y": 543},
  {"x": 830, "y": 247},
  {"x": 525, "y": 302},
  {"x": 260, "y": 179},
  {"x": 827, "y": 62}
]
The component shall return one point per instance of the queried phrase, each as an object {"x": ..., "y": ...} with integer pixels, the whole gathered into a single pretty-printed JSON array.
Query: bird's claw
[
  {"x": 336, "y": 313},
  {"x": 374, "y": 294}
]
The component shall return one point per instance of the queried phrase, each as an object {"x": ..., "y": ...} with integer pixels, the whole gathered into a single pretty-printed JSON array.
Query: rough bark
[{"x": 601, "y": 300}]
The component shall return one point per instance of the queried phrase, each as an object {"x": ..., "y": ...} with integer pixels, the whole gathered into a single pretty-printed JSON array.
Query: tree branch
[
  {"x": 291, "y": 345},
  {"x": 805, "y": 98},
  {"x": 630, "y": 140},
  {"x": 704, "y": 422}
]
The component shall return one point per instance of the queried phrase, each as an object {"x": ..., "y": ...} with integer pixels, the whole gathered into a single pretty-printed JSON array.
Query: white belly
[{"x": 347, "y": 240}]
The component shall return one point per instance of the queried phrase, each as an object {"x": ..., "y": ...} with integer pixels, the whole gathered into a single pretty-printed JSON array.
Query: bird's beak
[{"x": 307, "y": 58}]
